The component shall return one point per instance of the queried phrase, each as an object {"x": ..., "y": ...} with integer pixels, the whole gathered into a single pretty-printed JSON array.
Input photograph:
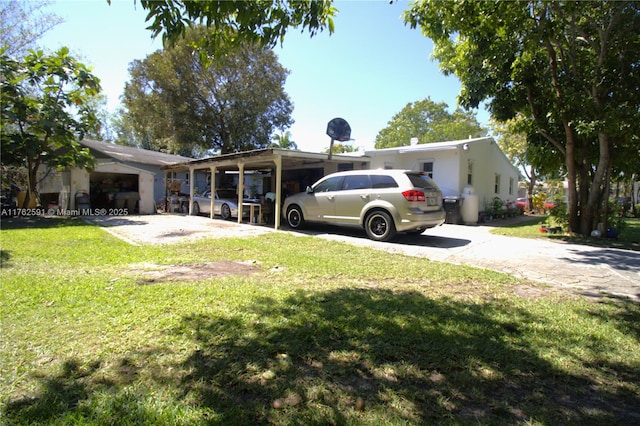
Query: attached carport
[{"x": 277, "y": 160}]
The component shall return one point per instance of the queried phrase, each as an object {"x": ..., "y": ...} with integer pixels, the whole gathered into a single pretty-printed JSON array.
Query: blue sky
[{"x": 367, "y": 71}]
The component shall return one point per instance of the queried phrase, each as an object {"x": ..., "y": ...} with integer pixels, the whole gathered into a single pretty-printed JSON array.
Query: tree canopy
[
  {"x": 570, "y": 68},
  {"x": 283, "y": 141},
  {"x": 46, "y": 110},
  {"x": 178, "y": 102},
  {"x": 22, "y": 23},
  {"x": 237, "y": 22},
  {"x": 428, "y": 121}
]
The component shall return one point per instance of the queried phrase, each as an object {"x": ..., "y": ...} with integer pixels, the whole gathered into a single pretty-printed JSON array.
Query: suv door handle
[{"x": 364, "y": 196}]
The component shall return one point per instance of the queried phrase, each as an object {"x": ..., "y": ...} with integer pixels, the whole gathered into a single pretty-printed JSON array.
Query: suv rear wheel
[
  {"x": 295, "y": 220},
  {"x": 379, "y": 226}
]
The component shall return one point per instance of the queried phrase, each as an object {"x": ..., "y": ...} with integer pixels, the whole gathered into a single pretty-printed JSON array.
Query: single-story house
[
  {"x": 124, "y": 176},
  {"x": 476, "y": 166},
  {"x": 469, "y": 170}
]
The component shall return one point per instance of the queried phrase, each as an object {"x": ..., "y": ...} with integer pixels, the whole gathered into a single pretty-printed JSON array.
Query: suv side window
[
  {"x": 356, "y": 182},
  {"x": 383, "y": 181},
  {"x": 331, "y": 184}
]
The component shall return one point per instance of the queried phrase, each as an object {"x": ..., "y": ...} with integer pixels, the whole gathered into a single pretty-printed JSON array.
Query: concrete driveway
[
  {"x": 588, "y": 270},
  {"x": 591, "y": 271}
]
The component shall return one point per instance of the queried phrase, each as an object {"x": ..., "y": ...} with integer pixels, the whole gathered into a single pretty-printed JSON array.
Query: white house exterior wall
[
  {"x": 451, "y": 165},
  {"x": 489, "y": 161},
  {"x": 446, "y": 165}
]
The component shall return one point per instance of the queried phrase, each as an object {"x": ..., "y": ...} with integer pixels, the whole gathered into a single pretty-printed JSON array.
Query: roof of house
[
  {"x": 133, "y": 155},
  {"x": 432, "y": 146}
]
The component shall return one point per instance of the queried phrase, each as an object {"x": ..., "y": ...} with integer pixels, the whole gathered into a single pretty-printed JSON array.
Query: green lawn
[
  {"x": 629, "y": 237},
  {"x": 295, "y": 330}
]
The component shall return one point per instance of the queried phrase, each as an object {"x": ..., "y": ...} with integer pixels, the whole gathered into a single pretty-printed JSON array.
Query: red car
[{"x": 523, "y": 204}]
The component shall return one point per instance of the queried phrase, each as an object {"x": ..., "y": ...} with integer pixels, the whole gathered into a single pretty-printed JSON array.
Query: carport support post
[
  {"x": 192, "y": 174},
  {"x": 213, "y": 191},
  {"x": 278, "y": 203},
  {"x": 240, "y": 190},
  {"x": 165, "y": 196}
]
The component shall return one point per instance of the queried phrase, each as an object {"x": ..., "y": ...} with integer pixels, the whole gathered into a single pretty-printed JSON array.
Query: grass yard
[
  {"x": 629, "y": 238},
  {"x": 295, "y": 330}
]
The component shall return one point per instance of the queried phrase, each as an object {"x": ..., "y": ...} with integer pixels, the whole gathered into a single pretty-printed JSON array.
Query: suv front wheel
[
  {"x": 379, "y": 226},
  {"x": 295, "y": 220}
]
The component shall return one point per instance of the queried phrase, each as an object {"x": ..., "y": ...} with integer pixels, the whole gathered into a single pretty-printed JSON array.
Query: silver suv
[{"x": 382, "y": 201}]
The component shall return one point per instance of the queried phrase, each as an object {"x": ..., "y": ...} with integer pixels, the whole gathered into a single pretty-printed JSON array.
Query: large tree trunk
[
  {"x": 596, "y": 192},
  {"x": 532, "y": 184},
  {"x": 572, "y": 172},
  {"x": 32, "y": 174}
]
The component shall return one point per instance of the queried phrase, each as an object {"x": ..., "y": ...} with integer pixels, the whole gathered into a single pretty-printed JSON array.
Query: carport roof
[{"x": 265, "y": 158}]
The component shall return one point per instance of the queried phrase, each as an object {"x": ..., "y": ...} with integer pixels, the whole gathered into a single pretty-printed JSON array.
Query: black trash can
[{"x": 452, "y": 207}]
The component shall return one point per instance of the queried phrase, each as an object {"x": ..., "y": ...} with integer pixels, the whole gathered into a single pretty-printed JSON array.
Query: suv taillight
[{"x": 413, "y": 195}]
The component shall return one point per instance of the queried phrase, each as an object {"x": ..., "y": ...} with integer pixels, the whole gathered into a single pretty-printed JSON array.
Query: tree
[
  {"x": 429, "y": 122},
  {"x": 573, "y": 71},
  {"x": 233, "y": 23},
  {"x": 179, "y": 103},
  {"x": 284, "y": 141},
  {"x": 22, "y": 23},
  {"x": 527, "y": 150},
  {"x": 341, "y": 148},
  {"x": 46, "y": 110}
]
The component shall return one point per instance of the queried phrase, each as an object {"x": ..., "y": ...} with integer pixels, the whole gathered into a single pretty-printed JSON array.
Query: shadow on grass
[
  {"x": 410, "y": 358},
  {"x": 45, "y": 222},
  {"x": 359, "y": 356},
  {"x": 48, "y": 222},
  {"x": 5, "y": 258}
]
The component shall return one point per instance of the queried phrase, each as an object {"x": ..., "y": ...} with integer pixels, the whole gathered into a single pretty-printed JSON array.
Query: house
[
  {"x": 124, "y": 177},
  {"x": 471, "y": 170},
  {"x": 469, "y": 166}
]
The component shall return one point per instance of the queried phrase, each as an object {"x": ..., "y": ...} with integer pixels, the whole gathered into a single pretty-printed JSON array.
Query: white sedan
[{"x": 225, "y": 206}]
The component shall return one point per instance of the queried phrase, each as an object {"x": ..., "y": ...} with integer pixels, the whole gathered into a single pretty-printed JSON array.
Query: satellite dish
[{"x": 338, "y": 129}]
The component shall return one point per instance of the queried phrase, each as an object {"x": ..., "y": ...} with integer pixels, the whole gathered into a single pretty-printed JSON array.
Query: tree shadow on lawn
[
  {"x": 46, "y": 222},
  {"x": 358, "y": 356},
  {"x": 408, "y": 358}
]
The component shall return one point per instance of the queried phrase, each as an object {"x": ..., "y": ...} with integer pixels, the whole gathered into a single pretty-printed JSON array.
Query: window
[
  {"x": 383, "y": 181},
  {"x": 175, "y": 177},
  {"x": 331, "y": 184},
  {"x": 496, "y": 188},
  {"x": 427, "y": 167},
  {"x": 343, "y": 167},
  {"x": 469, "y": 172},
  {"x": 511, "y": 185},
  {"x": 356, "y": 182}
]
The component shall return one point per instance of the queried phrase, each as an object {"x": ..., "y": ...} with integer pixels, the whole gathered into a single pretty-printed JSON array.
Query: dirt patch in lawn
[{"x": 149, "y": 273}]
